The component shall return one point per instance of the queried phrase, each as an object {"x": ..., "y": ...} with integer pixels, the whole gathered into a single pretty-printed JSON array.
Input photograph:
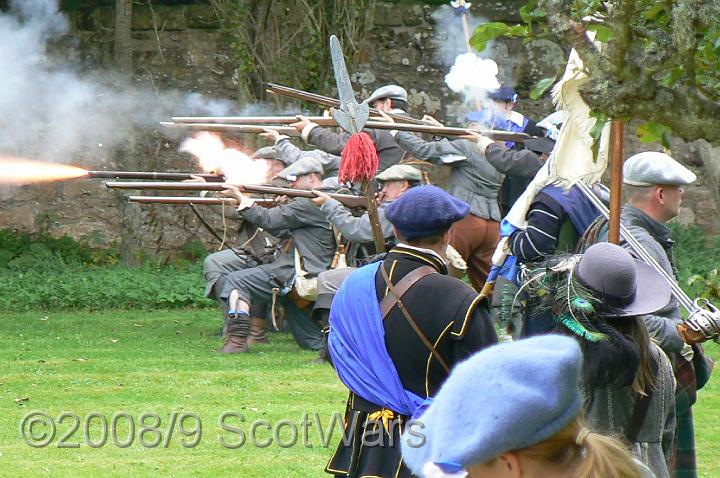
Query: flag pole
[{"x": 616, "y": 165}]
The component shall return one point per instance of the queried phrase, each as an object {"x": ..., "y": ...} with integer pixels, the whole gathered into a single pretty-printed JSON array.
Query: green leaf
[
  {"x": 518, "y": 31},
  {"x": 664, "y": 140},
  {"x": 672, "y": 77},
  {"x": 654, "y": 11},
  {"x": 602, "y": 33},
  {"x": 541, "y": 87},
  {"x": 486, "y": 32},
  {"x": 650, "y": 132},
  {"x": 527, "y": 10},
  {"x": 596, "y": 130}
]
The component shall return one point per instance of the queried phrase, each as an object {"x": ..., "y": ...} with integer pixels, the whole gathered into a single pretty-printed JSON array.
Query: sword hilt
[{"x": 705, "y": 319}]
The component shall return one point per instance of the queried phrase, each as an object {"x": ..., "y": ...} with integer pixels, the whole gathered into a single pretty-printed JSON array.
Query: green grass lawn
[{"x": 164, "y": 363}]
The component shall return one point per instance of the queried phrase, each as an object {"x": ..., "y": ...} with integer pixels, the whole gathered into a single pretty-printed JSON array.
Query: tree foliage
[{"x": 659, "y": 60}]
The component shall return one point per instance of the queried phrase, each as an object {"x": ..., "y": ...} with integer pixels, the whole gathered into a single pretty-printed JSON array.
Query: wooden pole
[
  {"x": 466, "y": 30},
  {"x": 616, "y": 165}
]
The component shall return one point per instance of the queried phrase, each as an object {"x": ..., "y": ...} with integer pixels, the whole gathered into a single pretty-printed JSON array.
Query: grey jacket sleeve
[
  {"x": 354, "y": 228},
  {"x": 292, "y": 215},
  {"x": 328, "y": 140},
  {"x": 522, "y": 163},
  {"x": 442, "y": 151},
  {"x": 662, "y": 325},
  {"x": 289, "y": 153}
]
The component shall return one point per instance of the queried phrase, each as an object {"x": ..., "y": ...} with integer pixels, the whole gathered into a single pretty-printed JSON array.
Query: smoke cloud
[
  {"x": 473, "y": 75},
  {"x": 51, "y": 111}
]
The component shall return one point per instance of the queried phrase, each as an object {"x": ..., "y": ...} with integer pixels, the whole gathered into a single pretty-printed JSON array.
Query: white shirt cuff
[
  {"x": 483, "y": 142},
  {"x": 306, "y": 131}
]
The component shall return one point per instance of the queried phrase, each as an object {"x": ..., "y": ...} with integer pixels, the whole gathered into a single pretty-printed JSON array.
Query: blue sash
[
  {"x": 581, "y": 211},
  {"x": 357, "y": 345}
]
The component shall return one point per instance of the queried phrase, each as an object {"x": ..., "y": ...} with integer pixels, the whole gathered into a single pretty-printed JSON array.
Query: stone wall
[{"x": 182, "y": 47}]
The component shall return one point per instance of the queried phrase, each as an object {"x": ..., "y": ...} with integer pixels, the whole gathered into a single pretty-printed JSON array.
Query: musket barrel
[
  {"x": 252, "y": 120},
  {"x": 231, "y": 128},
  {"x": 166, "y": 186},
  {"x": 417, "y": 128},
  {"x": 164, "y": 176},
  {"x": 349, "y": 200}
]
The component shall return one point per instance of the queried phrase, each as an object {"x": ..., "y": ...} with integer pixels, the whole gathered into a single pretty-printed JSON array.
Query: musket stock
[
  {"x": 348, "y": 200},
  {"x": 192, "y": 200}
]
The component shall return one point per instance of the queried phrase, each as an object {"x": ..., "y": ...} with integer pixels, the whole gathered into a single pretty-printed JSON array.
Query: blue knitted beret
[
  {"x": 506, "y": 397},
  {"x": 425, "y": 211}
]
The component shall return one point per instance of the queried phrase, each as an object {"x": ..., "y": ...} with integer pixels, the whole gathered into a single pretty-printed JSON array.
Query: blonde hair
[{"x": 595, "y": 455}]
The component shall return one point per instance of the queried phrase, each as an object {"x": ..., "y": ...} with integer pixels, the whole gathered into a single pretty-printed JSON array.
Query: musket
[
  {"x": 253, "y": 120},
  {"x": 191, "y": 200},
  {"x": 328, "y": 102},
  {"x": 231, "y": 128},
  {"x": 348, "y": 200},
  {"x": 212, "y": 178},
  {"x": 415, "y": 128}
]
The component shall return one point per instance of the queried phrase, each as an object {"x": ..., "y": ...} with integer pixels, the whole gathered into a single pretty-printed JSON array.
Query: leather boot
[
  {"x": 323, "y": 316},
  {"x": 236, "y": 337},
  {"x": 257, "y": 331}
]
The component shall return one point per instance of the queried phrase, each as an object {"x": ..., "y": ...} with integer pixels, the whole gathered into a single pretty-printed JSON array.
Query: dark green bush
[
  {"x": 698, "y": 260},
  {"x": 47, "y": 273}
]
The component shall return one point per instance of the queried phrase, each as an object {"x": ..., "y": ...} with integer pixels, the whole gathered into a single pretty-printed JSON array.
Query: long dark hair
[
  {"x": 616, "y": 349},
  {"x": 623, "y": 359}
]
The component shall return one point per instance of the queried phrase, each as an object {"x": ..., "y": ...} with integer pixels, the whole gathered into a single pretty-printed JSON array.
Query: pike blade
[{"x": 355, "y": 115}]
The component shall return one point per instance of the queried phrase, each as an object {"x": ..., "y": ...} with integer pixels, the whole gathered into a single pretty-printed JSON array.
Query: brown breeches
[{"x": 475, "y": 239}]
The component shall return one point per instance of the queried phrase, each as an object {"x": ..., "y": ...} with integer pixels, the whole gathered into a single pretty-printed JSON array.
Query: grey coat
[
  {"x": 521, "y": 163},
  {"x": 289, "y": 154},
  {"x": 609, "y": 410},
  {"x": 473, "y": 179},
  {"x": 333, "y": 142},
  {"x": 655, "y": 237},
  {"x": 310, "y": 231}
]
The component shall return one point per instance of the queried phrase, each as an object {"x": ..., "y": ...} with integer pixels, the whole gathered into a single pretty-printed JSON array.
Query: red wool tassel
[{"x": 359, "y": 159}]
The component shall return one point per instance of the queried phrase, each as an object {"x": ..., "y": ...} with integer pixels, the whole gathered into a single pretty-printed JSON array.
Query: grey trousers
[
  {"x": 256, "y": 285},
  {"x": 329, "y": 282},
  {"x": 217, "y": 267}
]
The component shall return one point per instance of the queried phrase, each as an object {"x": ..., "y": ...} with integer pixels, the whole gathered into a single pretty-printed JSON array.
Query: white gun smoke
[
  {"x": 52, "y": 111},
  {"x": 470, "y": 74}
]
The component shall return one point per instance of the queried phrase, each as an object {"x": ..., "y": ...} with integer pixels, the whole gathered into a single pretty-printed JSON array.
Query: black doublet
[{"x": 453, "y": 317}]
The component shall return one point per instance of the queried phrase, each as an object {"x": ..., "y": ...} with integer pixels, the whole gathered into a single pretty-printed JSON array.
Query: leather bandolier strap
[{"x": 394, "y": 298}]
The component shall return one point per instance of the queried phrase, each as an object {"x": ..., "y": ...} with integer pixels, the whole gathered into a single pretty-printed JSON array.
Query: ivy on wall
[{"x": 286, "y": 42}]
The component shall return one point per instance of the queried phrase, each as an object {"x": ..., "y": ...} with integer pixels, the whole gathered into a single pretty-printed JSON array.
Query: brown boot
[
  {"x": 257, "y": 331},
  {"x": 236, "y": 337}
]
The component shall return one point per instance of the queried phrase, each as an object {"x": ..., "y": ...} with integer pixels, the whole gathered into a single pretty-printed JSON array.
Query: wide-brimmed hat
[{"x": 628, "y": 287}]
